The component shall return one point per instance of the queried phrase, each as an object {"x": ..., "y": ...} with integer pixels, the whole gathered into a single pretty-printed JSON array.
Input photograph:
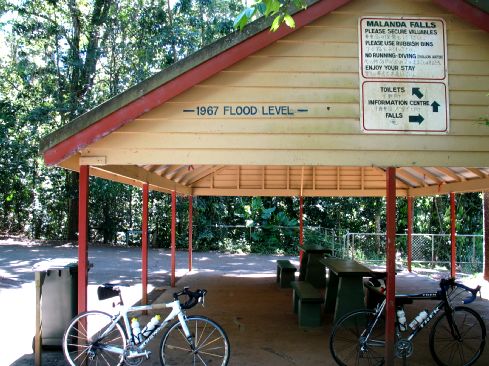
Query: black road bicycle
[{"x": 457, "y": 337}]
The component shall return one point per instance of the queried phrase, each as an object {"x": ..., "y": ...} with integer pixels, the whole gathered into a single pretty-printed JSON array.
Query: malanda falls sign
[{"x": 403, "y": 75}]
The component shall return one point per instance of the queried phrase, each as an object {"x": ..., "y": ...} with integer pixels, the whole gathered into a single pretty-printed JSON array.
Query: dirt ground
[{"x": 243, "y": 297}]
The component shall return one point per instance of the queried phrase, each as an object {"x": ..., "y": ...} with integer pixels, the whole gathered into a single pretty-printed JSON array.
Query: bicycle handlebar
[
  {"x": 450, "y": 282},
  {"x": 194, "y": 297}
]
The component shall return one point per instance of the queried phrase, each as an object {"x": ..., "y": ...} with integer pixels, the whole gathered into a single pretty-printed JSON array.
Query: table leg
[
  {"x": 350, "y": 296},
  {"x": 331, "y": 293},
  {"x": 315, "y": 274},
  {"x": 303, "y": 266}
]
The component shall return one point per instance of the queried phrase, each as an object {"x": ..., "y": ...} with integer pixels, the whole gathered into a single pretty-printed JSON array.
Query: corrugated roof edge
[{"x": 162, "y": 77}]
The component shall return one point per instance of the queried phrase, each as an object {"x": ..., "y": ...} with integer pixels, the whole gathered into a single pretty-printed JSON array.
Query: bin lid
[{"x": 55, "y": 263}]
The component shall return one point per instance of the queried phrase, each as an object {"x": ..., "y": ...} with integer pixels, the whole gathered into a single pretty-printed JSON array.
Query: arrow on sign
[
  {"x": 416, "y": 119},
  {"x": 435, "y": 106},
  {"x": 417, "y": 92}
]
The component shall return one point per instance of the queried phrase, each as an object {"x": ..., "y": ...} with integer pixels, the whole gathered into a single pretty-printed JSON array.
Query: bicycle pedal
[{"x": 135, "y": 354}]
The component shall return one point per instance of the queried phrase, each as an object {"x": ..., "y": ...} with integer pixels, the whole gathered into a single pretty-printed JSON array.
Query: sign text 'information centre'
[{"x": 403, "y": 75}]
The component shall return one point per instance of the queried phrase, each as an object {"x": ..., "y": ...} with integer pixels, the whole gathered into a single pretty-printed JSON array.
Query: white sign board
[
  {"x": 403, "y": 75},
  {"x": 404, "y": 106}
]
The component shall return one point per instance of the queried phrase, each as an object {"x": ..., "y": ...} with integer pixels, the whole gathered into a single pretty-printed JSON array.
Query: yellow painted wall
[{"x": 314, "y": 68}]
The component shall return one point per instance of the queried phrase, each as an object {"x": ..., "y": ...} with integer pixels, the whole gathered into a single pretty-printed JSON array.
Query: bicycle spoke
[
  {"x": 200, "y": 358},
  {"x": 177, "y": 347},
  {"x": 81, "y": 349},
  {"x": 104, "y": 359},
  {"x": 459, "y": 343},
  {"x": 208, "y": 344},
  {"x": 205, "y": 344},
  {"x": 210, "y": 354},
  {"x": 202, "y": 333}
]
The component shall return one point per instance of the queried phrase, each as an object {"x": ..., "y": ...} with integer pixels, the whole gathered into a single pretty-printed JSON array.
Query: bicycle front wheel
[
  {"x": 358, "y": 339},
  {"x": 84, "y": 342},
  {"x": 461, "y": 344},
  {"x": 208, "y": 344}
]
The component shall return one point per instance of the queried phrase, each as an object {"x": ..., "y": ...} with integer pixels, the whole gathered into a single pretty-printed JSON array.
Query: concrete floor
[
  {"x": 257, "y": 315},
  {"x": 263, "y": 330}
]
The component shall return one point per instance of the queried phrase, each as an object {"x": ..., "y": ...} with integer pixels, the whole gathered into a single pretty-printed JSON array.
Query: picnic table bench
[
  {"x": 285, "y": 273},
  {"x": 345, "y": 291},
  {"x": 311, "y": 270},
  {"x": 306, "y": 301}
]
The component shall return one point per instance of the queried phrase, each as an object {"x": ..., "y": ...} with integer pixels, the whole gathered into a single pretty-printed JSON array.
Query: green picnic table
[
  {"x": 345, "y": 286},
  {"x": 311, "y": 269}
]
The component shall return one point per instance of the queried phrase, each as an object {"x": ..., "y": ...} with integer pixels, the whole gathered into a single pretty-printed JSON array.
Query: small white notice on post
[{"x": 403, "y": 75}]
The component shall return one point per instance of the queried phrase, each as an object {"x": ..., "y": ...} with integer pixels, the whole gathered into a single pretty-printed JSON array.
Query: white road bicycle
[{"x": 98, "y": 338}]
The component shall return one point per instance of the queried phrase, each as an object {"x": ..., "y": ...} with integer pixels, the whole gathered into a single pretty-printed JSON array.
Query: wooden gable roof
[{"x": 208, "y": 174}]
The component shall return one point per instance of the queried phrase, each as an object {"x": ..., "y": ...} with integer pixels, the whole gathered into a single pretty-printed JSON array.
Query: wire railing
[{"x": 427, "y": 249}]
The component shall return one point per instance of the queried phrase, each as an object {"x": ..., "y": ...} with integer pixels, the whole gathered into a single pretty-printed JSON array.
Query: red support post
[
  {"x": 390, "y": 312},
  {"x": 173, "y": 235},
  {"x": 301, "y": 226},
  {"x": 144, "y": 245},
  {"x": 83, "y": 238},
  {"x": 190, "y": 231},
  {"x": 409, "y": 232},
  {"x": 453, "y": 238}
]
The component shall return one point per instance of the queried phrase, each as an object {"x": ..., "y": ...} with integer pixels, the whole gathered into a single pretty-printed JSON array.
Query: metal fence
[
  {"x": 427, "y": 249},
  {"x": 236, "y": 237}
]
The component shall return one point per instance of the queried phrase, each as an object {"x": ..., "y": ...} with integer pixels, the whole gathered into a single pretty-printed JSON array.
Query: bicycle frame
[
  {"x": 123, "y": 314},
  {"x": 443, "y": 304}
]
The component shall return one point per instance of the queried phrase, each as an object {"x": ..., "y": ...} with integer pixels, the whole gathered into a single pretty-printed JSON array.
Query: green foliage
[
  {"x": 280, "y": 10},
  {"x": 63, "y": 57}
]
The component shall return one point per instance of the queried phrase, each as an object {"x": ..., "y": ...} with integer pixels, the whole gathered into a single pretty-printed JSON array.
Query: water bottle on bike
[{"x": 148, "y": 329}]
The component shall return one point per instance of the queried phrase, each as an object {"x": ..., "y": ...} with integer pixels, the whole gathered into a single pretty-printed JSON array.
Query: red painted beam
[
  {"x": 453, "y": 238},
  {"x": 190, "y": 231},
  {"x": 144, "y": 245},
  {"x": 390, "y": 312},
  {"x": 183, "y": 82},
  {"x": 173, "y": 235},
  {"x": 83, "y": 238},
  {"x": 301, "y": 226},
  {"x": 466, "y": 11},
  {"x": 410, "y": 232}
]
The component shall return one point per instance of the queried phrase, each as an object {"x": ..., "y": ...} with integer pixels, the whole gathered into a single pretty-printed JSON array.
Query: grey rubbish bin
[{"x": 58, "y": 281}]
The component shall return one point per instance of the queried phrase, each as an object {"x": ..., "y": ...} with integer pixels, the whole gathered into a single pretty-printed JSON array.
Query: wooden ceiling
[{"x": 308, "y": 181}]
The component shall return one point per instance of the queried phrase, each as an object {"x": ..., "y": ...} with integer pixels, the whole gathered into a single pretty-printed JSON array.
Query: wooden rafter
[
  {"x": 143, "y": 176},
  {"x": 169, "y": 169},
  {"x": 477, "y": 172},
  {"x": 160, "y": 169},
  {"x": 196, "y": 174},
  {"x": 451, "y": 174},
  {"x": 173, "y": 175},
  {"x": 182, "y": 173},
  {"x": 407, "y": 177},
  {"x": 426, "y": 173},
  {"x": 209, "y": 172}
]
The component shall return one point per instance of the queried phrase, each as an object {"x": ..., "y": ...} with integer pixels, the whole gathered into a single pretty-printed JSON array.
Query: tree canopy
[{"x": 61, "y": 58}]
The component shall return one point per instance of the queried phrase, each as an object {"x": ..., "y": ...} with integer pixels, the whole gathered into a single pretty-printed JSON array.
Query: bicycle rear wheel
[
  {"x": 348, "y": 343},
  {"x": 83, "y": 344},
  {"x": 450, "y": 350},
  {"x": 208, "y": 345}
]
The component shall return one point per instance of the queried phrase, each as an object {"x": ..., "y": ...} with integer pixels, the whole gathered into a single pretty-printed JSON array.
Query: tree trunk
[
  {"x": 378, "y": 247},
  {"x": 72, "y": 179},
  {"x": 80, "y": 81},
  {"x": 170, "y": 22},
  {"x": 485, "y": 216}
]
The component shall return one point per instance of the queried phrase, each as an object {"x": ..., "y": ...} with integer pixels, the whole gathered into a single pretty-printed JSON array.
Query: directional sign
[
  {"x": 403, "y": 75},
  {"x": 400, "y": 106}
]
